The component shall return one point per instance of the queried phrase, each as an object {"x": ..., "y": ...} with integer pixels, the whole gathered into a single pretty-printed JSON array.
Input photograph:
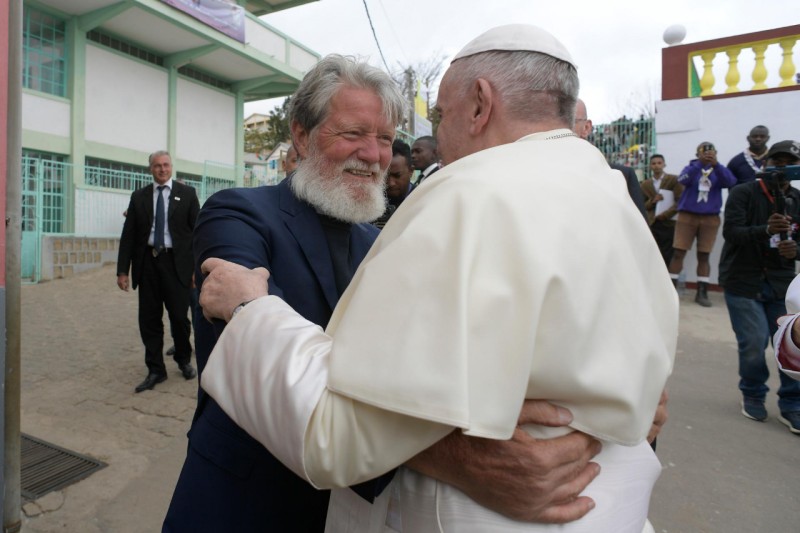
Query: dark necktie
[{"x": 158, "y": 235}]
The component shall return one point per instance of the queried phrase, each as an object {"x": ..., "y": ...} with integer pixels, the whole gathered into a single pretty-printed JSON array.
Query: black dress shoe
[
  {"x": 171, "y": 350},
  {"x": 188, "y": 371},
  {"x": 150, "y": 381}
]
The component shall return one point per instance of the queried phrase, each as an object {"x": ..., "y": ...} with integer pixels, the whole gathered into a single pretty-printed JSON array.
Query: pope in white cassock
[{"x": 519, "y": 270}]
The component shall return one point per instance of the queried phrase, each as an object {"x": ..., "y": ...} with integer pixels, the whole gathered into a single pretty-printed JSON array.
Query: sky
[{"x": 616, "y": 43}]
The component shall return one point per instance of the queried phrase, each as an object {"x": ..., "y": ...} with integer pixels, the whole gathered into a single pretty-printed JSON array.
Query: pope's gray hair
[
  {"x": 532, "y": 86},
  {"x": 310, "y": 104}
]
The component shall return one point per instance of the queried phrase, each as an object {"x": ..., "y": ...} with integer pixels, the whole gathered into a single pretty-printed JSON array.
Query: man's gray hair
[
  {"x": 311, "y": 102},
  {"x": 158, "y": 153},
  {"x": 533, "y": 86}
]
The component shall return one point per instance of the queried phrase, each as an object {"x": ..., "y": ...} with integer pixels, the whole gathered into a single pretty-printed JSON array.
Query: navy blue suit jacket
[{"x": 229, "y": 481}]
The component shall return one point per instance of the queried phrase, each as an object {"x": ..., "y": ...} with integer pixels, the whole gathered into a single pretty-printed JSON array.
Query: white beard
[{"x": 330, "y": 193}]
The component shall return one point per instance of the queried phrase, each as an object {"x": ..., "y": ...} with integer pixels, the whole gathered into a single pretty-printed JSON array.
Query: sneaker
[
  {"x": 754, "y": 409},
  {"x": 792, "y": 420}
]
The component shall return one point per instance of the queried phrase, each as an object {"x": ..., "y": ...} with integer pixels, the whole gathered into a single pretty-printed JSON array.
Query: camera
[{"x": 772, "y": 175}]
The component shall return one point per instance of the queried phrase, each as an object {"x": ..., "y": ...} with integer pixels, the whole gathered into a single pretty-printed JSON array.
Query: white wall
[
  {"x": 126, "y": 102},
  {"x": 264, "y": 39},
  {"x": 683, "y": 124},
  {"x": 99, "y": 213},
  {"x": 45, "y": 115},
  {"x": 206, "y": 127}
]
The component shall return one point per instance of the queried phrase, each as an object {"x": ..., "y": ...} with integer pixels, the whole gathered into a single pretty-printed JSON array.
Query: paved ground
[{"x": 82, "y": 358}]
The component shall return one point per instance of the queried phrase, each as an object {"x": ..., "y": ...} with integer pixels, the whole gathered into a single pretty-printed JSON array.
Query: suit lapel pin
[{"x": 177, "y": 198}]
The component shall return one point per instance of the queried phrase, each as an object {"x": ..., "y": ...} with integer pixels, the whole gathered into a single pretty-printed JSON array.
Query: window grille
[
  {"x": 44, "y": 179},
  {"x": 205, "y": 78},
  {"x": 44, "y": 52},
  {"x": 125, "y": 47},
  {"x": 113, "y": 175}
]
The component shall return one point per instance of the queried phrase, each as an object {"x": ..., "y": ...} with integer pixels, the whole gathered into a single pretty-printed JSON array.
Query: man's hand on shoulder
[{"x": 523, "y": 478}]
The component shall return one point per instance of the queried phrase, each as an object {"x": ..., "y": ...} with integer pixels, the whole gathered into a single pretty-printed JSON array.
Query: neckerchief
[
  {"x": 704, "y": 186},
  {"x": 751, "y": 159}
]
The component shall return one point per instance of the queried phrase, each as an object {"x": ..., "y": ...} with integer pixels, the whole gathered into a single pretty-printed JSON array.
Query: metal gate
[{"x": 44, "y": 185}]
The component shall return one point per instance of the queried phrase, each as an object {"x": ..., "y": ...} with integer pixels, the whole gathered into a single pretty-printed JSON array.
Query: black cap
[{"x": 785, "y": 147}]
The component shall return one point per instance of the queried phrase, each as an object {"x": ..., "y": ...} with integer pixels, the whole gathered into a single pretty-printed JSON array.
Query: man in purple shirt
[{"x": 698, "y": 215}]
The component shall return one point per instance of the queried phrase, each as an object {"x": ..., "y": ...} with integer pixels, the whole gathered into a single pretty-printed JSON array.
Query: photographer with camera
[
  {"x": 698, "y": 215},
  {"x": 755, "y": 270}
]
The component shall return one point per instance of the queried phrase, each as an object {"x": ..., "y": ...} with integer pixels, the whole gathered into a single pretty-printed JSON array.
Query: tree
[
  {"x": 427, "y": 73},
  {"x": 278, "y": 122},
  {"x": 277, "y": 131}
]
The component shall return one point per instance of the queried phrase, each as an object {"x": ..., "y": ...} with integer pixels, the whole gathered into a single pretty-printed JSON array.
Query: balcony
[
  {"x": 697, "y": 69},
  {"x": 267, "y": 64}
]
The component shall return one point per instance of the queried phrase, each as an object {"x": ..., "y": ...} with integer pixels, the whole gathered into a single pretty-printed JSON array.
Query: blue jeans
[{"x": 754, "y": 321}]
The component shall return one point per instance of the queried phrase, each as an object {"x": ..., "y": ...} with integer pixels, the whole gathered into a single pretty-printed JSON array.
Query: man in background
[
  {"x": 756, "y": 267},
  {"x": 291, "y": 160},
  {"x": 156, "y": 244},
  {"x": 698, "y": 215},
  {"x": 659, "y": 216},
  {"x": 398, "y": 180},
  {"x": 748, "y": 163},
  {"x": 425, "y": 157}
]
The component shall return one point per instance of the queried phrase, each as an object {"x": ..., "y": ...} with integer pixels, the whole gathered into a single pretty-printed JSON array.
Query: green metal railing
[
  {"x": 49, "y": 199},
  {"x": 627, "y": 142}
]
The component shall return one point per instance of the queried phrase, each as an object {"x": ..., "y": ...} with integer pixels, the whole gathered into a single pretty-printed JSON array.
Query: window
[
  {"x": 44, "y": 53},
  {"x": 114, "y": 175}
]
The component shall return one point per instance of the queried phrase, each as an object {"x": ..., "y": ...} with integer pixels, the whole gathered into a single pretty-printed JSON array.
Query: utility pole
[
  {"x": 10, "y": 305},
  {"x": 410, "y": 91}
]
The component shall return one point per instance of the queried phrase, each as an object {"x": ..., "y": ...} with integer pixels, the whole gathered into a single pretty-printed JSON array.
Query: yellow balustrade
[{"x": 760, "y": 71}]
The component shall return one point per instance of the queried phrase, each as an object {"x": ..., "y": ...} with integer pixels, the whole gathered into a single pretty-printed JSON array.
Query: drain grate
[{"x": 47, "y": 467}]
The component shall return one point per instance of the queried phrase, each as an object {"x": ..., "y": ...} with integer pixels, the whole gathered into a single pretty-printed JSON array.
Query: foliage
[
  {"x": 278, "y": 131},
  {"x": 427, "y": 73}
]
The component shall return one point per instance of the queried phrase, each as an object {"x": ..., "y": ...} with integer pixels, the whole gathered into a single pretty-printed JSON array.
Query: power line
[{"x": 376, "y": 37}]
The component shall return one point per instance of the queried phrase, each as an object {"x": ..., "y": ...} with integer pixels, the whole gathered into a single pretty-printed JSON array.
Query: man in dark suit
[
  {"x": 425, "y": 157},
  {"x": 156, "y": 244},
  {"x": 311, "y": 232}
]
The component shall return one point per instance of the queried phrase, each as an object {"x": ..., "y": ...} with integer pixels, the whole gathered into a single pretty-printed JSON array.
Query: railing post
[
  {"x": 732, "y": 77},
  {"x": 707, "y": 81},
  {"x": 760, "y": 70},
  {"x": 787, "y": 66}
]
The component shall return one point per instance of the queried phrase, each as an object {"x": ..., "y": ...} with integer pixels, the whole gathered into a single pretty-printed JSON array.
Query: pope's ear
[
  {"x": 300, "y": 139},
  {"x": 482, "y": 106}
]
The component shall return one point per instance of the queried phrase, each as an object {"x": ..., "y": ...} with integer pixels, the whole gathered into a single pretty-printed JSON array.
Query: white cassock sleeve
[
  {"x": 269, "y": 372},
  {"x": 787, "y": 354}
]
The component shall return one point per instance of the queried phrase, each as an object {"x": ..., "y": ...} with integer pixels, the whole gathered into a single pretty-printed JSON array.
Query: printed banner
[{"x": 222, "y": 15}]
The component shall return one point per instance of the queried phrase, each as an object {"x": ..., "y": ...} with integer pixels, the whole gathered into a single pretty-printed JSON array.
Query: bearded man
[{"x": 311, "y": 231}]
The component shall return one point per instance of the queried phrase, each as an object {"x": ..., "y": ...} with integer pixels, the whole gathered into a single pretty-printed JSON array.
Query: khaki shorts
[{"x": 690, "y": 225}]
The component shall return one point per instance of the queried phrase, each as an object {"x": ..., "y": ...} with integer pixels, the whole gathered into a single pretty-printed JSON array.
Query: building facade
[{"x": 106, "y": 83}]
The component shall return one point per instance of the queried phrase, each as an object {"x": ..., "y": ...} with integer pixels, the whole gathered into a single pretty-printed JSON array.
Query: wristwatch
[{"x": 239, "y": 308}]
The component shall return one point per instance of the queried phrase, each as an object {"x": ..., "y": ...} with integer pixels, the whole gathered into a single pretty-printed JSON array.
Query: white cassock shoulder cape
[{"x": 521, "y": 271}]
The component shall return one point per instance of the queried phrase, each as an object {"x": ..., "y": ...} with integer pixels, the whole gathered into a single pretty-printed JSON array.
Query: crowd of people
[
  {"x": 383, "y": 354},
  {"x": 759, "y": 254}
]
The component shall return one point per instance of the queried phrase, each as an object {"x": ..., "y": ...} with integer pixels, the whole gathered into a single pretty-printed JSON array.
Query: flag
[{"x": 420, "y": 105}]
